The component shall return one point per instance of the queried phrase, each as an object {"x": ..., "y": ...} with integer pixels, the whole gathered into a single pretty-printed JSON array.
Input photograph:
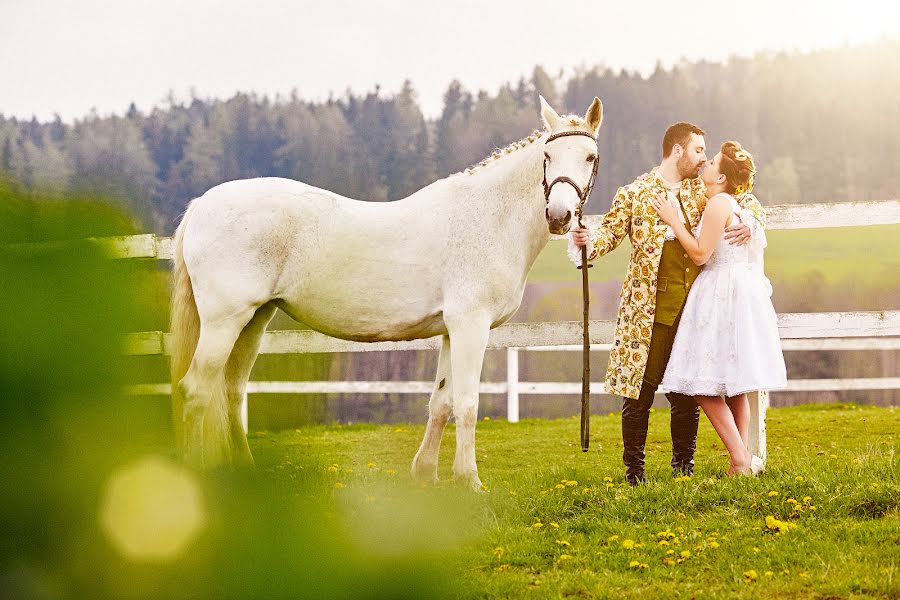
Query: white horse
[{"x": 449, "y": 260}]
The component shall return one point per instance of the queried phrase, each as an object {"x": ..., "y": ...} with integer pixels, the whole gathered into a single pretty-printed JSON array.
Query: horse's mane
[{"x": 537, "y": 134}]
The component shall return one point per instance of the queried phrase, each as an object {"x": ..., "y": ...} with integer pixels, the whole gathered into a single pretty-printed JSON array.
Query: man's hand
[
  {"x": 580, "y": 236},
  {"x": 737, "y": 234}
]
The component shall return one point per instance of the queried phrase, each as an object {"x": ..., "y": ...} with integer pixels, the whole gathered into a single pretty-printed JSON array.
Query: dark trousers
[{"x": 636, "y": 412}]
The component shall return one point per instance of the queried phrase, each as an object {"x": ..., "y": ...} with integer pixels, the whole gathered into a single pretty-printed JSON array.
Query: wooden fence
[{"x": 799, "y": 331}]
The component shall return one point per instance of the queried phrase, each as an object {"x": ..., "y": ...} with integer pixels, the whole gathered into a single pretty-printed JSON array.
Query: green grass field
[
  {"x": 822, "y": 521},
  {"x": 864, "y": 254}
]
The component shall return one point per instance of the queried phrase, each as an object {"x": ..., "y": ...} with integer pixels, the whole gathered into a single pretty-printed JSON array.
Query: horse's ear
[
  {"x": 594, "y": 115},
  {"x": 551, "y": 119}
]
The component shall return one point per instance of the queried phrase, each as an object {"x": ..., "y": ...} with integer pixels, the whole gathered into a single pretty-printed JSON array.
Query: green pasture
[
  {"x": 823, "y": 521},
  {"x": 865, "y": 255}
]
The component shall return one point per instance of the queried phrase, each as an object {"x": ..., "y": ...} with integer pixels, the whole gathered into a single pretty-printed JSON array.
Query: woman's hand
[{"x": 664, "y": 209}]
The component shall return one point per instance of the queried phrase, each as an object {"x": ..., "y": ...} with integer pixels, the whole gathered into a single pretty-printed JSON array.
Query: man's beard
[{"x": 686, "y": 168}]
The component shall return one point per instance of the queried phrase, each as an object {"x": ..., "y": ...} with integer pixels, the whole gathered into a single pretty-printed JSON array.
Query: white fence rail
[
  {"x": 785, "y": 216},
  {"x": 799, "y": 331}
]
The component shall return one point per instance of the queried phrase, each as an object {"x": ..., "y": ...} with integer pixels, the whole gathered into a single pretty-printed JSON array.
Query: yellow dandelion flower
[
  {"x": 563, "y": 542},
  {"x": 371, "y": 465},
  {"x": 714, "y": 544},
  {"x": 750, "y": 576},
  {"x": 612, "y": 538},
  {"x": 560, "y": 486},
  {"x": 777, "y": 526},
  {"x": 768, "y": 573},
  {"x": 391, "y": 472},
  {"x": 585, "y": 491},
  {"x": 798, "y": 478},
  {"x": 685, "y": 554},
  {"x": 807, "y": 499},
  {"x": 791, "y": 501},
  {"x": 512, "y": 493},
  {"x": 668, "y": 561},
  {"x": 772, "y": 494},
  {"x": 628, "y": 544},
  {"x": 554, "y": 524},
  {"x": 499, "y": 551},
  {"x": 487, "y": 418},
  {"x": 663, "y": 543},
  {"x": 571, "y": 483},
  {"x": 339, "y": 485},
  {"x": 564, "y": 557},
  {"x": 538, "y": 525},
  {"x": 333, "y": 469},
  {"x": 607, "y": 479}
]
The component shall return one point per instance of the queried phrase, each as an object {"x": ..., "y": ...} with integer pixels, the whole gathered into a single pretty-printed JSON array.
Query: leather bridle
[{"x": 583, "y": 194}]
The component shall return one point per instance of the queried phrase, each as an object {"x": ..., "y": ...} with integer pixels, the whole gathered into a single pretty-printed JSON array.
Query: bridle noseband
[{"x": 582, "y": 194}]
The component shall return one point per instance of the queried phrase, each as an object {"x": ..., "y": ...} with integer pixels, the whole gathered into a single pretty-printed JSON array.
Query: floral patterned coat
[{"x": 632, "y": 214}]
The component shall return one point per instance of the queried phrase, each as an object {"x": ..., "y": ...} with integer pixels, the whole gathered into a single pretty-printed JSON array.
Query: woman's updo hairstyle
[{"x": 738, "y": 167}]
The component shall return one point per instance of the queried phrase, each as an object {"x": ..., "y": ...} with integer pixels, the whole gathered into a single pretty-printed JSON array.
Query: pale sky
[{"x": 68, "y": 57}]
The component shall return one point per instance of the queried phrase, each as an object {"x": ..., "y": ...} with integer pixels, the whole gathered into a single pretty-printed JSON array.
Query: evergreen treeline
[{"x": 823, "y": 126}]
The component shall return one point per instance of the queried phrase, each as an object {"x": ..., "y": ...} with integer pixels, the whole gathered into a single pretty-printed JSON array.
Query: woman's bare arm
[{"x": 715, "y": 218}]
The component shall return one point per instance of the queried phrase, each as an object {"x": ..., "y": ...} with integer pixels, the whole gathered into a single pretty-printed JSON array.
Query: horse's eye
[{"x": 591, "y": 157}]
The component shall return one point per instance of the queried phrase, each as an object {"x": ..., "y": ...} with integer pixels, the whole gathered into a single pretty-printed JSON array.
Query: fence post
[
  {"x": 756, "y": 442},
  {"x": 512, "y": 385}
]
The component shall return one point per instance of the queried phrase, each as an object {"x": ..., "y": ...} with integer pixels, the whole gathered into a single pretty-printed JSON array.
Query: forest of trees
[{"x": 823, "y": 126}]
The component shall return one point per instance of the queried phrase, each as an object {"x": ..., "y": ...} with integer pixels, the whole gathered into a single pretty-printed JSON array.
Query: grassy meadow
[{"x": 822, "y": 521}]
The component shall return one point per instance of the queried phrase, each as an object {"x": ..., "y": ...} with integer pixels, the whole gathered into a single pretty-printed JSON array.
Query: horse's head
[{"x": 570, "y": 163}]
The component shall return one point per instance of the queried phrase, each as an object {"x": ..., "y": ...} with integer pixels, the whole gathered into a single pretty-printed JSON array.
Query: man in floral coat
[{"x": 656, "y": 286}]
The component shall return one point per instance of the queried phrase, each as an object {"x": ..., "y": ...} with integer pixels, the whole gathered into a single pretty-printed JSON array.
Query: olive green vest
[{"x": 675, "y": 277}]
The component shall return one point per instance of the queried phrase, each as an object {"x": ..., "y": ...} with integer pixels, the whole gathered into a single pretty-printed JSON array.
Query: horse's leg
[
  {"x": 237, "y": 372},
  {"x": 208, "y": 439},
  {"x": 425, "y": 464},
  {"x": 468, "y": 339}
]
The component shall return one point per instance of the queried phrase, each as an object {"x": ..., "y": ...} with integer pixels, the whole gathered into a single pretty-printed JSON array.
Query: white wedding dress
[{"x": 727, "y": 340}]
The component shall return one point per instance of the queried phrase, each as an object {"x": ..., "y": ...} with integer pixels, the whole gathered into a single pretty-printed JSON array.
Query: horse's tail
[{"x": 184, "y": 330}]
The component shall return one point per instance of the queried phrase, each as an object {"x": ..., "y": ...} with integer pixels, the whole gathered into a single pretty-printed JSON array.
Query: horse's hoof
[
  {"x": 470, "y": 480},
  {"x": 423, "y": 471}
]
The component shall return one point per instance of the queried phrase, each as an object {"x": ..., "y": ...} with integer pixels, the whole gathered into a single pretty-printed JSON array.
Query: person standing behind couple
[{"x": 659, "y": 277}]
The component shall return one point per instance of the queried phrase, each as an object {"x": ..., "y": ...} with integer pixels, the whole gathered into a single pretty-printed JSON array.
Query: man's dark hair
[{"x": 679, "y": 133}]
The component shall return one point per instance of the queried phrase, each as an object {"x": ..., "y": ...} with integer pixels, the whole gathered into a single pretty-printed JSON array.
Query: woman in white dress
[{"x": 727, "y": 341}]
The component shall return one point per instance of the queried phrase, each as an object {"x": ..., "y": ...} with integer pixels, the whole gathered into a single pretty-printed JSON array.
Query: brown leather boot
[
  {"x": 635, "y": 419},
  {"x": 685, "y": 419}
]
